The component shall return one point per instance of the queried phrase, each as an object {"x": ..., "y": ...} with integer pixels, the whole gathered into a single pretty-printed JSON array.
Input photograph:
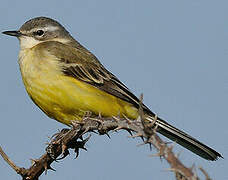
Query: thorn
[
  {"x": 155, "y": 155},
  {"x": 204, "y": 172},
  {"x": 46, "y": 143},
  {"x": 97, "y": 120},
  {"x": 138, "y": 119},
  {"x": 136, "y": 135},
  {"x": 116, "y": 118},
  {"x": 142, "y": 138},
  {"x": 126, "y": 118},
  {"x": 178, "y": 154},
  {"x": 129, "y": 131},
  {"x": 50, "y": 168},
  {"x": 81, "y": 138},
  {"x": 167, "y": 143},
  {"x": 108, "y": 135},
  {"x": 99, "y": 115},
  {"x": 76, "y": 150},
  {"x": 118, "y": 128},
  {"x": 45, "y": 168},
  {"x": 84, "y": 148},
  {"x": 87, "y": 129},
  {"x": 81, "y": 145},
  {"x": 34, "y": 161},
  {"x": 118, "y": 114},
  {"x": 93, "y": 131},
  {"x": 171, "y": 146},
  {"x": 141, "y": 144},
  {"x": 154, "y": 121},
  {"x": 193, "y": 167},
  {"x": 150, "y": 146},
  {"x": 144, "y": 142},
  {"x": 171, "y": 169},
  {"x": 141, "y": 109},
  {"x": 86, "y": 139},
  {"x": 155, "y": 128}
]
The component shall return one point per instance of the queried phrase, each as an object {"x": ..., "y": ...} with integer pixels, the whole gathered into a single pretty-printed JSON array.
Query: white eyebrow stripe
[{"x": 48, "y": 28}]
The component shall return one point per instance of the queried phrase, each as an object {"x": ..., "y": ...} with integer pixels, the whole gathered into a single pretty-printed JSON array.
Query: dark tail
[{"x": 186, "y": 141}]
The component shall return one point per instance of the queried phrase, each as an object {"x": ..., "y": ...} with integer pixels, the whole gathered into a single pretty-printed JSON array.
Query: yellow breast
[{"x": 65, "y": 98}]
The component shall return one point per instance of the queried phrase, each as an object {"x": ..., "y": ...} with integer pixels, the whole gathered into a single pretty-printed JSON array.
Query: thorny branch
[{"x": 72, "y": 139}]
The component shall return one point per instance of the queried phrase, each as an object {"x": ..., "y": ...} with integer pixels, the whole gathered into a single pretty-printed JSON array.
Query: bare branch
[
  {"x": 10, "y": 162},
  {"x": 69, "y": 139},
  {"x": 205, "y": 173}
]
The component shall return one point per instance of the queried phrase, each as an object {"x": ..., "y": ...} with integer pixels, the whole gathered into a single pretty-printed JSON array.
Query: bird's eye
[{"x": 39, "y": 32}]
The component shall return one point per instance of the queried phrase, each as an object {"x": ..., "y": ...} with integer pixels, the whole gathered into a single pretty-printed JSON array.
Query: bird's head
[{"x": 38, "y": 30}]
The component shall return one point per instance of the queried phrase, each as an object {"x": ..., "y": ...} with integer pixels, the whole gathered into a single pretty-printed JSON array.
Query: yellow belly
[{"x": 65, "y": 98}]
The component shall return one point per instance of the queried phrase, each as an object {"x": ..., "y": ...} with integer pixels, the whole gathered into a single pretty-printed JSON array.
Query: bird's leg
[
  {"x": 56, "y": 140},
  {"x": 68, "y": 139}
]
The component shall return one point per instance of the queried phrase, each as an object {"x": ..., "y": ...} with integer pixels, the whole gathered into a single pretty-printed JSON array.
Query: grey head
[{"x": 41, "y": 29}]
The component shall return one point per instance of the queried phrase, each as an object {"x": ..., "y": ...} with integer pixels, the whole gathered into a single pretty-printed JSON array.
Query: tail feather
[{"x": 186, "y": 140}]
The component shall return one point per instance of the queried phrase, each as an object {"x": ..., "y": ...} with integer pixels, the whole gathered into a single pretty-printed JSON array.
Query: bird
[{"x": 66, "y": 81}]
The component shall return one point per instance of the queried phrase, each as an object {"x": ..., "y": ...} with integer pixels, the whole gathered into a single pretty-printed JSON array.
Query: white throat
[{"x": 27, "y": 42}]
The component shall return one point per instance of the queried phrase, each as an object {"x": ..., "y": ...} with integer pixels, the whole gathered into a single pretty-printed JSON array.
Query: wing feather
[{"x": 79, "y": 63}]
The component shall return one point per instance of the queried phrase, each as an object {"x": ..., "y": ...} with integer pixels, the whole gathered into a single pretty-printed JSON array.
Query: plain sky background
[{"x": 173, "y": 51}]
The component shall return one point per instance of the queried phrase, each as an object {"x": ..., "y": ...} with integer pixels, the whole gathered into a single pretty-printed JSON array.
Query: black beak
[{"x": 12, "y": 33}]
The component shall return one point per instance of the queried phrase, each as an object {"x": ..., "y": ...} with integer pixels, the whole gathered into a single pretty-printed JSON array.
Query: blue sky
[{"x": 175, "y": 52}]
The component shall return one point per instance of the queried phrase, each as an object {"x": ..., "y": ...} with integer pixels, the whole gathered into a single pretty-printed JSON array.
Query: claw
[
  {"x": 51, "y": 146},
  {"x": 48, "y": 167},
  {"x": 50, "y": 151},
  {"x": 64, "y": 148},
  {"x": 80, "y": 145},
  {"x": 64, "y": 154},
  {"x": 75, "y": 124},
  {"x": 54, "y": 135}
]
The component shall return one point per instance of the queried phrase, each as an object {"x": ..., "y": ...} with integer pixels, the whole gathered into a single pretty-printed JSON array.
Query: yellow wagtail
[{"x": 66, "y": 81}]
